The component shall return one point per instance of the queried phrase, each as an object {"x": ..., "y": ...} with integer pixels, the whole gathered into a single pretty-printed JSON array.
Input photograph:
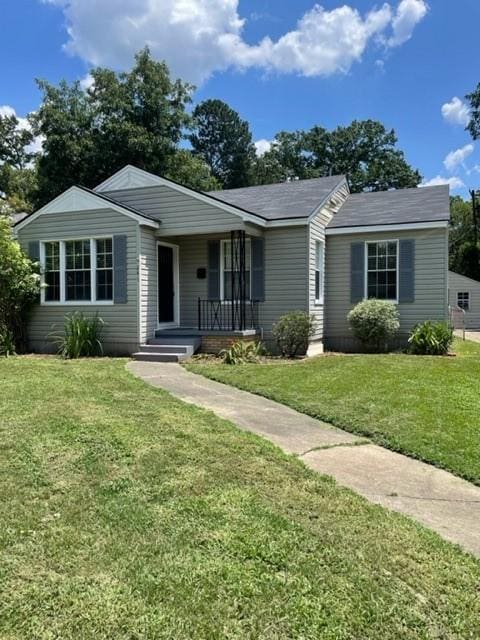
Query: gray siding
[
  {"x": 457, "y": 283},
  {"x": 148, "y": 283},
  {"x": 431, "y": 268},
  {"x": 178, "y": 213},
  {"x": 121, "y": 333},
  {"x": 317, "y": 232}
]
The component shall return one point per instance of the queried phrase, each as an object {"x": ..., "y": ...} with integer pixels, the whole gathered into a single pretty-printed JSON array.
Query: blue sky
[{"x": 398, "y": 63}]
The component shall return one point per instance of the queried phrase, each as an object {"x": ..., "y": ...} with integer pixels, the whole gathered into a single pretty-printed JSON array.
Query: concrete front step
[
  {"x": 167, "y": 348},
  {"x": 146, "y": 356}
]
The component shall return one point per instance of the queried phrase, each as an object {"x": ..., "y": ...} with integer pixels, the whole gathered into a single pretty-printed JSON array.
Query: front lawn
[
  {"x": 426, "y": 407},
  {"x": 126, "y": 514}
]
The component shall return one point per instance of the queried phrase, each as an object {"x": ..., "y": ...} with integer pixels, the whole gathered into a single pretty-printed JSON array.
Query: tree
[
  {"x": 191, "y": 171},
  {"x": 464, "y": 254},
  {"x": 474, "y": 103},
  {"x": 364, "y": 151},
  {"x": 136, "y": 117},
  {"x": 19, "y": 287},
  {"x": 17, "y": 176},
  {"x": 225, "y": 142}
]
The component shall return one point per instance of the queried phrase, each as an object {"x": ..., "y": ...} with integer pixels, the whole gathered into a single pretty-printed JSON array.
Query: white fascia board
[
  {"x": 317, "y": 209},
  {"x": 76, "y": 199},
  {"x": 132, "y": 178},
  {"x": 376, "y": 228}
]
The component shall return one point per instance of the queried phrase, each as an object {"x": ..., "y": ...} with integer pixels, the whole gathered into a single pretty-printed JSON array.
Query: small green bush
[
  {"x": 241, "y": 352},
  {"x": 82, "y": 336},
  {"x": 431, "y": 338},
  {"x": 292, "y": 332},
  {"x": 374, "y": 323}
]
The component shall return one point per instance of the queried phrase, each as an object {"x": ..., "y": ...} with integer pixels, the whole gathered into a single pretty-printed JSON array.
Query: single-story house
[
  {"x": 171, "y": 269},
  {"x": 464, "y": 295}
]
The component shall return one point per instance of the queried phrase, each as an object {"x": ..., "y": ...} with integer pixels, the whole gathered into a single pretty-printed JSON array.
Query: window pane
[
  {"x": 372, "y": 250},
  {"x": 52, "y": 290},
  {"x": 382, "y": 249},
  {"x": 391, "y": 262},
  {"x": 392, "y": 248},
  {"x": 104, "y": 285},
  {"x": 227, "y": 285},
  {"x": 382, "y": 262},
  {"x": 78, "y": 285},
  {"x": 382, "y": 270},
  {"x": 317, "y": 285}
]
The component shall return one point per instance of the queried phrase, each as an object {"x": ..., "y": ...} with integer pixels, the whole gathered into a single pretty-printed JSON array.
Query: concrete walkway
[
  {"x": 469, "y": 335},
  {"x": 448, "y": 505}
]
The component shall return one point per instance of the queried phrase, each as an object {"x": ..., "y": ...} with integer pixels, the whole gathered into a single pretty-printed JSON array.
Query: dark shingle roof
[
  {"x": 295, "y": 199},
  {"x": 403, "y": 206}
]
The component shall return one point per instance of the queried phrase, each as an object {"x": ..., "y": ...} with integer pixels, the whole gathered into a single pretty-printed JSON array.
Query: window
[
  {"x": 463, "y": 300},
  {"x": 78, "y": 275},
  {"x": 78, "y": 271},
  {"x": 226, "y": 264},
  {"x": 382, "y": 270},
  {"x": 104, "y": 274},
  {"x": 319, "y": 280},
  {"x": 52, "y": 271}
]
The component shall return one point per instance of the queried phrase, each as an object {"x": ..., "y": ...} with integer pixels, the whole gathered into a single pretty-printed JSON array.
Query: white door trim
[{"x": 176, "y": 286}]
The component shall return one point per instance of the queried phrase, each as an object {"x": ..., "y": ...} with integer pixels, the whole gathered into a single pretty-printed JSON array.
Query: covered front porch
[{"x": 210, "y": 283}]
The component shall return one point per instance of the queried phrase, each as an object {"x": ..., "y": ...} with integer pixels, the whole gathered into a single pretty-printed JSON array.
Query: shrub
[
  {"x": 292, "y": 332},
  {"x": 374, "y": 323},
  {"x": 81, "y": 336},
  {"x": 19, "y": 288},
  {"x": 431, "y": 338},
  {"x": 7, "y": 343},
  {"x": 241, "y": 352}
]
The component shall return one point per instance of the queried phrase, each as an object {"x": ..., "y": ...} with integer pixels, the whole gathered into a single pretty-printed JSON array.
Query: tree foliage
[
  {"x": 364, "y": 151},
  {"x": 225, "y": 142},
  {"x": 19, "y": 287},
  {"x": 17, "y": 176},
  {"x": 474, "y": 103},
  {"x": 136, "y": 117},
  {"x": 464, "y": 248}
]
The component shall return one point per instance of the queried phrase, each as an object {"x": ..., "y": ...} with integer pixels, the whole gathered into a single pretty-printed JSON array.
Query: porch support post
[{"x": 237, "y": 240}]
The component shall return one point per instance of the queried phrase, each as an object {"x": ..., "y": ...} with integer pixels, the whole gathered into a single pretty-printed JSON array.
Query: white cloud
[
  {"x": 262, "y": 146},
  {"x": 457, "y": 158},
  {"x": 23, "y": 123},
  {"x": 199, "y": 37},
  {"x": 87, "y": 82},
  {"x": 456, "y": 112},
  {"x": 409, "y": 13},
  {"x": 453, "y": 182}
]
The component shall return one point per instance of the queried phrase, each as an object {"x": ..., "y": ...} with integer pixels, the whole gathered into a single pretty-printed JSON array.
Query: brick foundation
[{"x": 215, "y": 343}]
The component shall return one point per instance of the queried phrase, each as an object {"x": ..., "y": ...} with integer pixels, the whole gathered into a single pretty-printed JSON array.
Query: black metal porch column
[{"x": 239, "y": 294}]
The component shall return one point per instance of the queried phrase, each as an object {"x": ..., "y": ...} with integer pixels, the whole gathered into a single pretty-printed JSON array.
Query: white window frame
[
  {"x": 248, "y": 243},
  {"x": 63, "y": 302},
  {"x": 463, "y": 292},
  {"x": 321, "y": 270},
  {"x": 397, "y": 268}
]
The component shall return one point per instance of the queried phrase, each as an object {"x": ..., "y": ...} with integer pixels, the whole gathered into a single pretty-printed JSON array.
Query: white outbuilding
[{"x": 464, "y": 293}]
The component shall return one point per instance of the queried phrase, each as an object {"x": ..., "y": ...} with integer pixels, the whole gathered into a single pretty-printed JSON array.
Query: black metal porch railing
[{"x": 222, "y": 315}]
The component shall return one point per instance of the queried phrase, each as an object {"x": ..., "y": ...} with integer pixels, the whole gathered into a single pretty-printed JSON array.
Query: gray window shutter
[
  {"x": 214, "y": 270},
  {"x": 119, "y": 269},
  {"x": 258, "y": 269},
  {"x": 406, "y": 291},
  {"x": 357, "y": 271},
  {"x": 34, "y": 251}
]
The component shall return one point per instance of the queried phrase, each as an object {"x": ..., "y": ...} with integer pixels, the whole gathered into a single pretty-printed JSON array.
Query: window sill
[
  {"x": 79, "y": 303},
  {"x": 319, "y": 303}
]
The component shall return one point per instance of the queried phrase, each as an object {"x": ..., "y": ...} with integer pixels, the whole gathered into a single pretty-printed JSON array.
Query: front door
[{"x": 166, "y": 285}]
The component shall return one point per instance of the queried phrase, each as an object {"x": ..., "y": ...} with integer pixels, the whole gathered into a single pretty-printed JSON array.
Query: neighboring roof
[
  {"x": 402, "y": 206},
  {"x": 283, "y": 200},
  {"x": 18, "y": 217},
  {"x": 460, "y": 275}
]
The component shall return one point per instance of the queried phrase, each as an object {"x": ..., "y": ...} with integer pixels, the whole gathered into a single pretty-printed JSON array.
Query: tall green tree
[
  {"x": 225, "y": 142},
  {"x": 474, "y": 104},
  {"x": 17, "y": 175},
  {"x": 464, "y": 254},
  {"x": 365, "y": 151},
  {"x": 136, "y": 117}
]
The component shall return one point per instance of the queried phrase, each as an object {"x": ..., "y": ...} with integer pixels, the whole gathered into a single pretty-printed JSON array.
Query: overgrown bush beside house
[
  {"x": 81, "y": 338},
  {"x": 431, "y": 338},
  {"x": 375, "y": 323},
  {"x": 19, "y": 289},
  {"x": 292, "y": 333}
]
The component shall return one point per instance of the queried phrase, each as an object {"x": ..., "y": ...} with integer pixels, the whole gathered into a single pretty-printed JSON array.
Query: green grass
[
  {"x": 126, "y": 514},
  {"x": 425, "y": 407}
]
